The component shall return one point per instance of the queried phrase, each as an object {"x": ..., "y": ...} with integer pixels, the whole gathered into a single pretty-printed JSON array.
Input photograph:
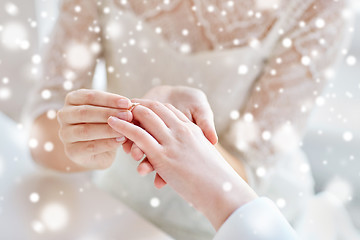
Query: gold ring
[{"x": 133, "y": 106}]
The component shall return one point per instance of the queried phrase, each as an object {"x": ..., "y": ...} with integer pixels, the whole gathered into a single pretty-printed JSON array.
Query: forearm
[
  {"x": 46, "y": 130},
  {"x": 235, "y": 163},
  {"x": 224, "y": 194}
]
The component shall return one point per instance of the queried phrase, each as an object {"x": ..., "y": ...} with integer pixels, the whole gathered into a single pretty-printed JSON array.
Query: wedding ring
[{"x": 133, "y": 106}]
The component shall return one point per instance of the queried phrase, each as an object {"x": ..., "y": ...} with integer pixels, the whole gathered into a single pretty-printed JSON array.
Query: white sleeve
[{"x": 257, "y": 220}]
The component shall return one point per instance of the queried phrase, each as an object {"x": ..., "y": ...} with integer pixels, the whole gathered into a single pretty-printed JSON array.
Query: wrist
[{"x": 225, "y": 198}]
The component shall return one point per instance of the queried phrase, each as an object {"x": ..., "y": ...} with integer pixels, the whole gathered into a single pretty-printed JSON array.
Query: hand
[
  {"x": 89, "y": 141},
  {"x": 184, "y": 158},
  {"x": 191, "y": 102}
]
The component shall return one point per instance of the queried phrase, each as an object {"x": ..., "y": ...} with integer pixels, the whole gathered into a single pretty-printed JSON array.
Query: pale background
[{"x": 329, "y": 154}]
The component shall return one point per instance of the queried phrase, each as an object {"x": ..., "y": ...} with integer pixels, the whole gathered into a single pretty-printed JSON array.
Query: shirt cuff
[{"x": 259, "y": 219}]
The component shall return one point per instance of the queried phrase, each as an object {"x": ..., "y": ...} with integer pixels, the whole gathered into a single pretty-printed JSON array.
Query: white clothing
[
  {"x": 260, "y": 66},
  {"x": 258, "y": 220}
]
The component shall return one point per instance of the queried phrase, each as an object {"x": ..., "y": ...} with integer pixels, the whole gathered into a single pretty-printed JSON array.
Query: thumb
[{"x": 205, "y": 120}]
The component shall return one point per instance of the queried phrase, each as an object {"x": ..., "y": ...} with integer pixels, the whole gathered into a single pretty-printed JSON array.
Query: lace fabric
[
  {"x": 292, "y": 80},
  {"x": 212, "y": 24}
]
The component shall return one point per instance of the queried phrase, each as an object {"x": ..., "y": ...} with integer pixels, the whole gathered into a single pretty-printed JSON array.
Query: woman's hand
[
  {"x": 89, "y": 141},
  {"x": 182, "y": 156},
  {"x": 191, "y": 102}
]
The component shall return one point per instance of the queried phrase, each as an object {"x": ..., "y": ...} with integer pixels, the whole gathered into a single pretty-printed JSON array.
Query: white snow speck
[
  {"x": 34, "y": 197},
  {"x": 154, "y": 202}
]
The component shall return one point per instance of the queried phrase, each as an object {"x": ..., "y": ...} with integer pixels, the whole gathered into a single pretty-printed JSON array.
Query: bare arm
[{"x": 235, "y": 163}]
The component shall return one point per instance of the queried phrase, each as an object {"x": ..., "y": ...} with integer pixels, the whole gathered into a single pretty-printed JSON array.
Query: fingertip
[
  {"x": 214, "y": 138},
  {"x": 141, "y": 171},
  {"x": 113, "y": 120},
  {"x": 159, "y": 182},
  {"x": 144, "y": 168},
  {"x": 159, "y": 186},
  {"x": 209, "y": 132},
  {"x": 123, "y": 103}
]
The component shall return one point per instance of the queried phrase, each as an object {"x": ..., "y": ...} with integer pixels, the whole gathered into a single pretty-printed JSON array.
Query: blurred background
[{"x": 333, "y": 139}]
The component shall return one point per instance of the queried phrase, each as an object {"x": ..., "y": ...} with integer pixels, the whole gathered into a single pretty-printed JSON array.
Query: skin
[
  {"x": 194, "y": 105},
  {"x": 83, "y": 141},
  {"x": 82, "y": 138},
  {"x": 182, "y": 156}
]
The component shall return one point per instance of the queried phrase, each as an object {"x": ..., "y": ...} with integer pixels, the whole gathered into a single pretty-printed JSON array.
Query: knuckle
[
  {"x": 183, "y": 129},
  {"x": 83, "y": 112},
  {"x": 90, "y": 148},
  {"x": 110, "y": 144},
  {"x": 83, "y": 131},
  {"x": 171, "y": 153},
  {"x": 89, "y": 95},
  {"x": 154, "y": 104}
]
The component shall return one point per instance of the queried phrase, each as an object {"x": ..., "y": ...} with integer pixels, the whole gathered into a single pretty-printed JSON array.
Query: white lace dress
[{"x": 261, "y": 63}]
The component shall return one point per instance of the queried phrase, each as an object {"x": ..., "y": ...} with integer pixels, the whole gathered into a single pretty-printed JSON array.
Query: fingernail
[
  {"x": 120, "y": 139},
  {"x": 113, "y": 119},
  {"x": 123, "y": 115},
  {"x": 143, "y": 174},
  {"x": 123, "y": 103}
]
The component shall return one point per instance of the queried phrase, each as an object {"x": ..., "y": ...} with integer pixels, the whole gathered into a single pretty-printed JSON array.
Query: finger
[
  {"x": 204, "y": 118},
  {"x": 99, "y": 161},
  {"x": 152, "y": 123},
  {"x": 177, "y": 112},
  {"x": 159, "y": 182},
  {"x": 87, "y": 132},
  {"x": 166, "y": 115},
  {"x": 139, "y": 136},
  {"x": 102, "y": 160},
  {"x": 84, "y": 150},
  {"x": 91, "y": 114},
  {"x": 97, "y": 98},
  {"x": 145, "y": 167},
  {"x": 136, "y": 153},
  {"x": 127, "y": 146}
]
